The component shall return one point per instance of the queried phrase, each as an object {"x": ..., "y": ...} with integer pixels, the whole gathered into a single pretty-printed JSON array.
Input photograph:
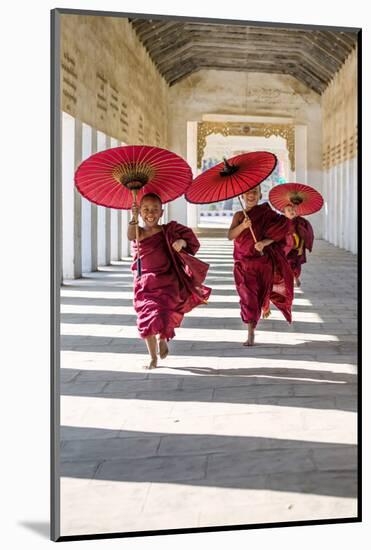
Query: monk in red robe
[
  {"x": 298, "y": 241},
  {"x": 261, "y": 271},
  {"x": 171, "y": 277}
]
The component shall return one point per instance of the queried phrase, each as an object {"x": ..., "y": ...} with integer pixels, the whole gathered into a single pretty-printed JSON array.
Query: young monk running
[
  {"x": 298, "y": 241},
  {"x": 261, "y": 271},
  {"x": 171, "y": 281}
]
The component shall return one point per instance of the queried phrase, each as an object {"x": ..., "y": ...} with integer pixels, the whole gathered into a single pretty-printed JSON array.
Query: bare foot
[
  {"x": 297, "y": 282},
  {"x": 250, "y": 336},
  {"x": 152, "y": 364},
  {"x": 163, "y": 347}
]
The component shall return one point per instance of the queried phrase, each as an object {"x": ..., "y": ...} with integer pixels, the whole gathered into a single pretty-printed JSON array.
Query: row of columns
[
  {"x": 92, "y": 235},
  {"x": 340, "y": 210}
]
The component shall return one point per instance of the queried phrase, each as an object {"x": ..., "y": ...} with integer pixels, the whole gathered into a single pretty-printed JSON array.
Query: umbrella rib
[
  {"x": 224, "y": 187},
  {"x": 201, "y": 189},
  {"x": 117, "y": 193},
  {"x": 233, "y": 178}
]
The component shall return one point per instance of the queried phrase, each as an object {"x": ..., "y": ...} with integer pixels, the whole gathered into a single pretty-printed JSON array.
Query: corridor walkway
[{"x": 219, "y": 434}]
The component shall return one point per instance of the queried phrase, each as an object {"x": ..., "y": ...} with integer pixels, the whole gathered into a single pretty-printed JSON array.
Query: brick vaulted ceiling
[{"x": 179, "y": 49}]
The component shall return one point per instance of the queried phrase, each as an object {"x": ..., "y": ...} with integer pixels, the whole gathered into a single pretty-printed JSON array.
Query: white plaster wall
[
  {"x": 68, "y": 159},
  {"x": 86, "y": 206}
]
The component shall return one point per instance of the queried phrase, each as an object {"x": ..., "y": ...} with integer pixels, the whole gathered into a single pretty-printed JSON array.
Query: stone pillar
[
  {"x": 117, "y": 244},
  {"x": 165, "y": 216},
  {"x": 123, "y": 241},
  {"x": 94, "y": 213},
  {"x": 340, "y": 205},
  {"x": 119, "y": 234},
  {"x": 77, "y": 254},
  {"x": 114, "y": 214},
  {"x": 192, "y": 209},
  {"x": 108, "y": 218},
  {"x": 68, "y": 195},
  {"x": 353, "y": 210},
  {"x": 325, "y": 211},
  {"x": 86, "y": 210},
  {"x": 336, "y": 209},
  {"x": 346, "y": 204},
  {"x": 301, "y": 153},
  {"x": 101, "y": 221}
]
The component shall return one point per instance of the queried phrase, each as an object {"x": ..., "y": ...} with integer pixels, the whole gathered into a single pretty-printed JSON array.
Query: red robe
[
  {"x": 263, "y": 278},
  {"x": 171, "y": 282},
  {"x": 297, "y": 242}
]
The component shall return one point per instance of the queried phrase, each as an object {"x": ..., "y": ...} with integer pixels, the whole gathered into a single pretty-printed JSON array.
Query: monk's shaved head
[{"x": 152, "y": 197}]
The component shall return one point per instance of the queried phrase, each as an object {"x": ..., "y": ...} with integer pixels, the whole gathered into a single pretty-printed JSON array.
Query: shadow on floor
[
  {"x": 210, "y": 460},
  {"x": 234, "y": 386}
]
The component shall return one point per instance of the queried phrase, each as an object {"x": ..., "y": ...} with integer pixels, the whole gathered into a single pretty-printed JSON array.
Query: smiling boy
[
  {"x": 261, "y": 271},
  {"x": 171, "y": 280}
]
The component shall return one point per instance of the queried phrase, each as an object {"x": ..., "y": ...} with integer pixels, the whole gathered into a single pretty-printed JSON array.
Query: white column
[
  {"x": 124, "y": 249},
  {"x": 301, "y": 153},
  {"x": 114, "y": 235},
  {"x": 68, "y": 159},
  {"x": 340, "y": 221},
  {"x": 354, "y": 192},
  {"x": 344, "y": 203},
  {"x": 86, "y": 221},
  {"x": 347, "y": 206},
  {"x": 332, "y": 204},
  {"x": 334, "y": 196},
  {"x": 94, "y": 213},
  {"x": 334, "y": 201},
  {"x": 108, "y": 217},
  {"x": 325, "y": 205},
  {"x": 114, "y": 251},
  {"x": 192, "y": 209},
  {"x": 77, "y": 270},
  {"x": 165, "y": 216},
  {"x": 101, "y": 229}
]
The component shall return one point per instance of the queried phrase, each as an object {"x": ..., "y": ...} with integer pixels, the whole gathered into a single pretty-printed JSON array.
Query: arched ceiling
[{"x": 179, "y": 49}]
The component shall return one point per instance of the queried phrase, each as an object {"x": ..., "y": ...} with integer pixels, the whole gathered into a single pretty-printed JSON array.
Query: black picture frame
[{"x": 55, "y": 249}]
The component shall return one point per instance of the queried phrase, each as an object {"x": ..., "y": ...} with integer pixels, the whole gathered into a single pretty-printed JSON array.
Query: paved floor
[{"x": 219, "y": 434}]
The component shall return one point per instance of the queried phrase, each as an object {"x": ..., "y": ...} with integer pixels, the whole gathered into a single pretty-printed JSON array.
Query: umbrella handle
[
  {"x": 251, "y": 229},
  {"x": 139, "y": 261}
]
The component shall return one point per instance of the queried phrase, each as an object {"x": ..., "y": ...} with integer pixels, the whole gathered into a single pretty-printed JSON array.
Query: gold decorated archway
[{"x": 206, "y": 128}]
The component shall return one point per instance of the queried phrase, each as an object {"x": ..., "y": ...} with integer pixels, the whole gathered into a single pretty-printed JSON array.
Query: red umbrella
[
  {"x": 231, "y": 178},
  {"x": 117, "y": 177},
  {"x": 305, "y": 199},
  {"x": 109, "y": 177}
]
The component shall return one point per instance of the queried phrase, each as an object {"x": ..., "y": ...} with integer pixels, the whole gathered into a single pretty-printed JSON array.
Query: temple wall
[
  {"x": 339, "y": 135},
  {"x": 109, "y": 81}
]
